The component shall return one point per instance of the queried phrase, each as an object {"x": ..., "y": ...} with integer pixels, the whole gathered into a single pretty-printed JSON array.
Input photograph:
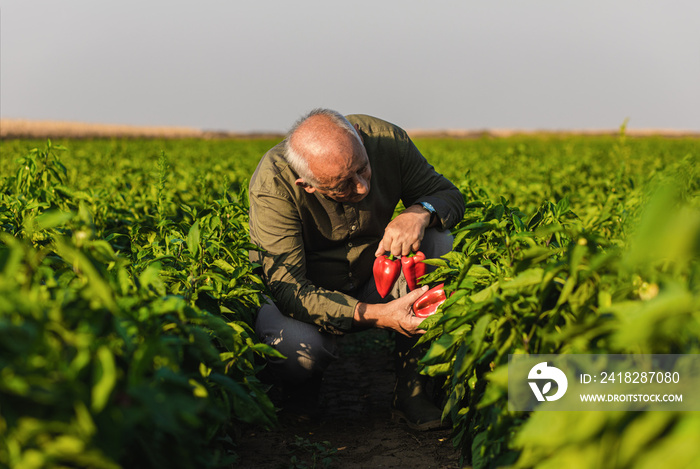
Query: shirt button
[
  {"x": 353, "y": 227},
  {"x": 349, "y": 245},
  {"x": 350, "y": 274}
]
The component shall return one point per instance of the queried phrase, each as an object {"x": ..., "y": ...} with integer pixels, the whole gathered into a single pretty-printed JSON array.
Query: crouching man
[{"x": 321, "y": 207}]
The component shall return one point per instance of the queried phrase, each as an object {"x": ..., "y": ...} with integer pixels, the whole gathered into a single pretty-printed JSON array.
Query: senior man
[{"x": 321, "y": 208}]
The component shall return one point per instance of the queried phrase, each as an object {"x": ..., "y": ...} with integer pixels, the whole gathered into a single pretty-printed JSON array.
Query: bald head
[
  {"x": 326, "y": 151},
  {"x": 321, "y": 136}
]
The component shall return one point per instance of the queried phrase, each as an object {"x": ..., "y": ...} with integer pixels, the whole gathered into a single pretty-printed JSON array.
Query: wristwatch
[{"x": 431, "y": 210}]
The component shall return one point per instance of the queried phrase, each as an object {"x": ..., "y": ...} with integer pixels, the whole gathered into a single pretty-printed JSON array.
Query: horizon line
[{"x": 30, "y": 128}]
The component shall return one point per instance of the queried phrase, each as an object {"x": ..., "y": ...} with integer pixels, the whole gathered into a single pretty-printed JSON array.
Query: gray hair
[{"x": 295, "y": 159}]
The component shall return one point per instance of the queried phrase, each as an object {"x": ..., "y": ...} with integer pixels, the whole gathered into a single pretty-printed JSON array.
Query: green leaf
[
  {"x": 193, "y": 239},
  {"x": 105, "y": 379},
  {"x": 223, "y": 265},
  {"x": 566, "y": 290},
  {"x": 52, "y": 219},
  {"x": 441, "y": 350},
  {"x": 479, "y": 271},
  {"x": 486, "y": 294},
  {"x": 248, "y": 407},
  {"x": 479, "y": 333},
  {"x": 100, "y": 290},
  {"x": 267, "y": 350},
  {"x": 563, "y": 206},
  {"x": 525, "y": 279},
  {"x": 640, "y": 434}
]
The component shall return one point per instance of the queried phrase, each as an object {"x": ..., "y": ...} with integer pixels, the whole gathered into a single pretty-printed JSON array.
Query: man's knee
[
  {"x": 436, "y": 243},
  {"x": 308, "y": 351}
]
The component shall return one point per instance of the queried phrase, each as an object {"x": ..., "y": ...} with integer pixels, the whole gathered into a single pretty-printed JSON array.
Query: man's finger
[
  {"x": 392, "y": 245},
  {"x": 416, "y": 328},
  {"x": 416, "y": 246},
  {"x": 415, "y": 294},
  {"x": 380, "y": 249}
]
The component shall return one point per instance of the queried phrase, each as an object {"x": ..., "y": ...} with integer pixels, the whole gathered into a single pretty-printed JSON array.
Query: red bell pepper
[
  {"x": 386, "y": 270},
  {"x": 413, "y": 269},
  {"x": 429, "y": 302}
]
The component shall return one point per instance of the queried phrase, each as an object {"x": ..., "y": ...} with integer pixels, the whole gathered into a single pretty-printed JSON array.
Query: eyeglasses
[{"x": 345, "y": 186}]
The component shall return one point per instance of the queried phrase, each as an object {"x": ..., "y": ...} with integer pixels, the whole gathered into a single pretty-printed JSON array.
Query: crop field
[{"x": 127, "y": 296}]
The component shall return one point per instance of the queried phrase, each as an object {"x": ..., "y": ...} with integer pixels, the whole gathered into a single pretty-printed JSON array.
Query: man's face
[
  {"x": 345, "y": 179},
  {"x": 340, "y": 166}
]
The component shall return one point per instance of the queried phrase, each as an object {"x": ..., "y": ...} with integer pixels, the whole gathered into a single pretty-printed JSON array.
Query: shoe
[
  {"x": 411, "y": 403},
  {"x": 419, "y": 414}
]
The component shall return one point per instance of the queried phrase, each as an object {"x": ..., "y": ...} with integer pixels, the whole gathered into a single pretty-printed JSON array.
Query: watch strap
[{"x": 431, "y": 210}]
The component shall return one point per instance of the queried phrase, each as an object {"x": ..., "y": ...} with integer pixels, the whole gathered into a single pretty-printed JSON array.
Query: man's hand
[
  {"x": 404, "y": 233},
  {"x": 395, "y": 315}
]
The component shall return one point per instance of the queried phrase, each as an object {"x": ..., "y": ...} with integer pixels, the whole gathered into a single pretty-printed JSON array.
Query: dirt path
[{"x": 356, "y": 422}]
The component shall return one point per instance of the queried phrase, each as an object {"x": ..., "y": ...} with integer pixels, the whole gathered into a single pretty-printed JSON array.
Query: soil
[{"x": 355, "y": 428}]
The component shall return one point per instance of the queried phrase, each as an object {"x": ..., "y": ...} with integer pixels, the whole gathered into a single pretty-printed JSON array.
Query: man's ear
[
  {"x": 357, "y": 128},
  {"x": 308, "y": 188}
]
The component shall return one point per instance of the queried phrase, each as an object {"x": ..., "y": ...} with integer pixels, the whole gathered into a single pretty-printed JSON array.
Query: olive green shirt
[{"x": 317, "y": 252}]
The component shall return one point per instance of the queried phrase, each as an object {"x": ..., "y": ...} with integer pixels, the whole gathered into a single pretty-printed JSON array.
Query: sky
[{"x": 247, "y": 66}]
